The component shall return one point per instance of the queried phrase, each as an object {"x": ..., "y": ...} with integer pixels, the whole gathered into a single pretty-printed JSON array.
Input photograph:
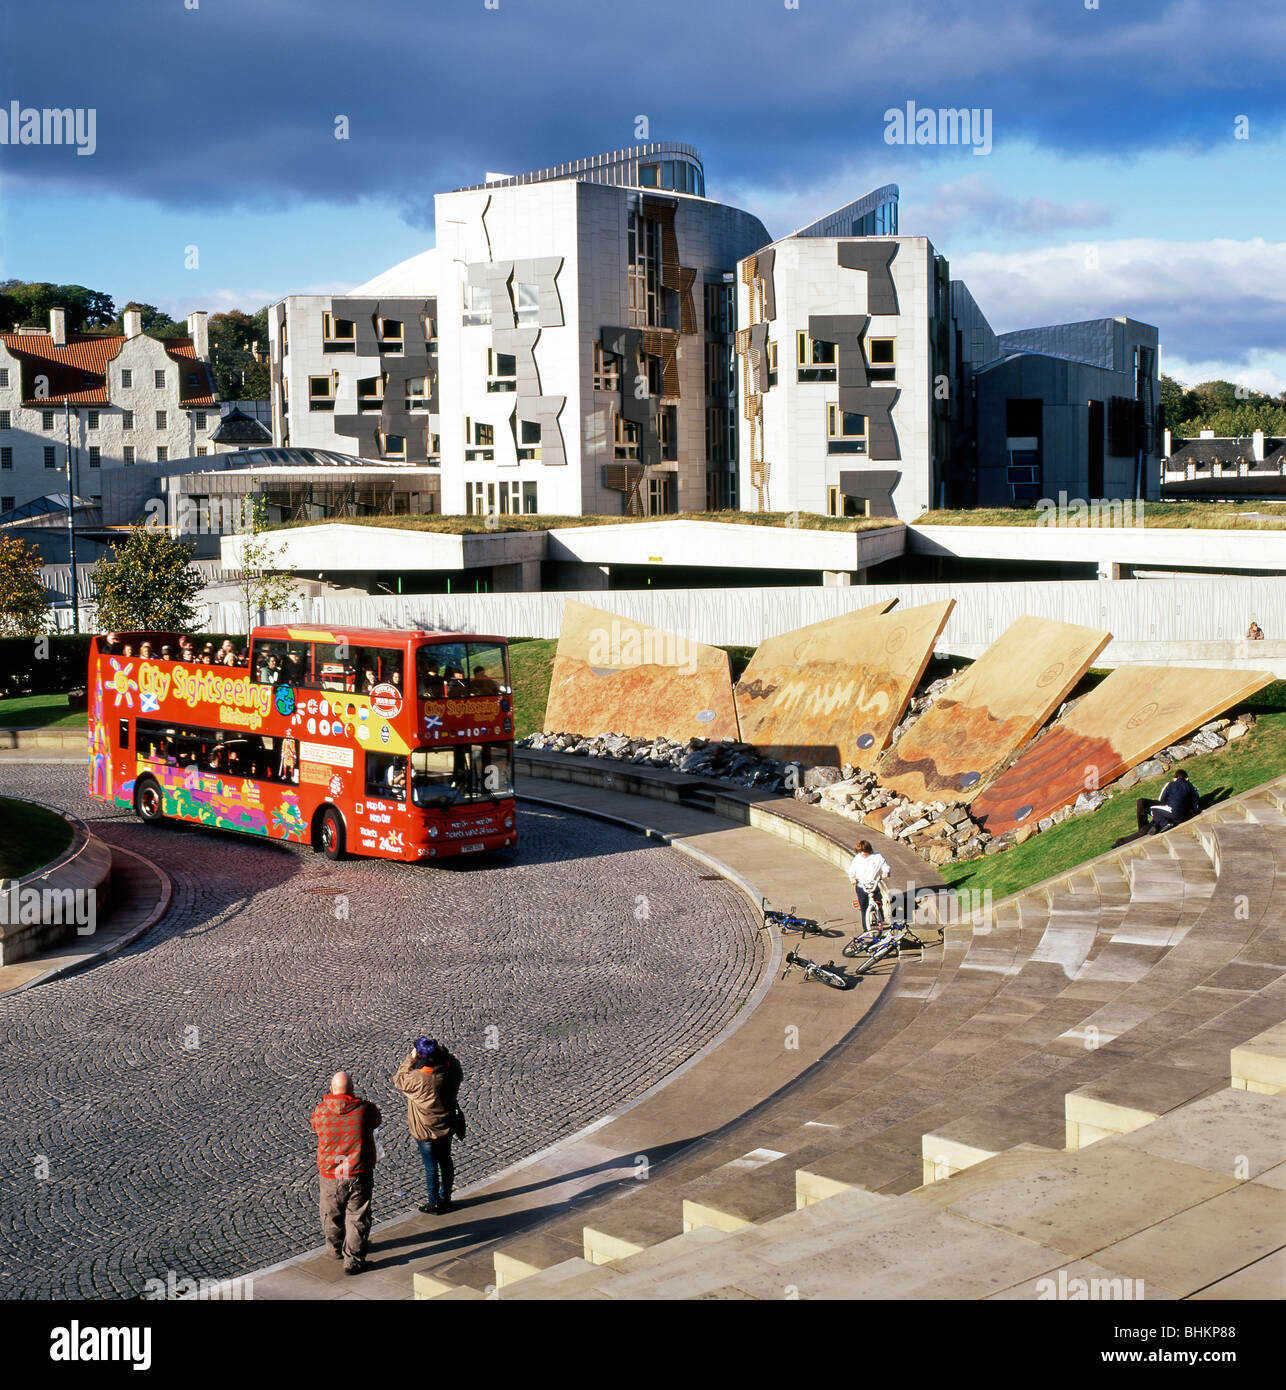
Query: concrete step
[
  {"x": 1129, "y": 1098},
  {"x": 1259, "y": 1064}
]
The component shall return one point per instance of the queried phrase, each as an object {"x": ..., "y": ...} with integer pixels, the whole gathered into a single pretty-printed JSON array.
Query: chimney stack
[
  {"x": 1257, "y": 440},
  {"x": 58, "y": 327},
  {"x": 133, "y": 323},
  {"x": 199, "y": 332}
]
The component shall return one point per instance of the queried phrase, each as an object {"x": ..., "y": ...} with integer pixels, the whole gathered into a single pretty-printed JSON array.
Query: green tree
[
  {"x": 1172, "y": 400},
  {"x": 156, "y": 322},
  {"x": 261, "y": 580},
  {"x": 150, "y": 585},
  {"x": 28, "y": 303},
  {"x": 23, "y": 611},
  {"x": 237, "y": 340}
]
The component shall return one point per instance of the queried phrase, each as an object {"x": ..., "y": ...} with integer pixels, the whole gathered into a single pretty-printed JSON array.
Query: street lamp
[{"x": 71, "y": 524}]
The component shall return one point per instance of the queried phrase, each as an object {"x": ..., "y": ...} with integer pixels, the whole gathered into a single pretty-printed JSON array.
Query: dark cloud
[{"x": 234, "y": 103}]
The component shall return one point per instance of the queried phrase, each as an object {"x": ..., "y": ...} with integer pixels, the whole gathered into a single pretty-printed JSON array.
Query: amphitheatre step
[
  {"x": 1259, "y": 1064},
  {"x": 982, "y": 1135},
  {"x": 989, "y": 1035},
  {"x": 1132, "y": 1096},
  {"x": 529, "y": 1255},
  {"x": 864, "y": 1167}
]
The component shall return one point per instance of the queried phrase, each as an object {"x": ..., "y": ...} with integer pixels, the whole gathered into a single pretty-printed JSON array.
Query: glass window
[
  {"x": 443, "y": 777},
  {"x": 215, "y": 752},
  {"x": 91, "y": 419},
  {"x": 127, "y": 419},
  {"x": 127, "y": 378},
  {"x": 477, "y": 305},
  {"x": 158, "y": 378},
  {"x": 417, "y": 393},
  {"x": 391, "y": 333},
  {"x": 455, "y": 670},
  {"x": 881, "y": 354},
  {"x": 127, "y": 453},
  {"x": 386, "y": 776},
  {"x": 528, "y": 304},
  {"x": 340, "y": 335},
  {"x": 377, "y": 666},
  {"x": 162, "y": 420}
]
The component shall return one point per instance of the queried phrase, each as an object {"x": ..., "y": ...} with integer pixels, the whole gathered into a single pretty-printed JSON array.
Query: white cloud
[
  {"x": 1218, "y": 301},
  {"x": 978, "y": 202}
]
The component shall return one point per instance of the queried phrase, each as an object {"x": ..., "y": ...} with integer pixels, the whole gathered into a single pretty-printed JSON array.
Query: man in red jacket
[{"x": 345, "y": 1126}]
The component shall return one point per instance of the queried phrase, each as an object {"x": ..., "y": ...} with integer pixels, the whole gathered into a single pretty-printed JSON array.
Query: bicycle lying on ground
[
  {"x": 789, "y": 924},
  {"x": 875, "y": 946},
  {"x": 827, "y": 973}
]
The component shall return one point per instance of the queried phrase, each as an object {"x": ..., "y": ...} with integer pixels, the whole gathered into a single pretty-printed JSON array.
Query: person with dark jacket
[
  {"x": 1179, "y": 801},
  {"x": 430, "y": 1079},
  {"x": 345, "y": 1126}
]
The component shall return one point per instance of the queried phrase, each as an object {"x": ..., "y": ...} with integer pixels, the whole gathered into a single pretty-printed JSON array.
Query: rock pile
[{"x": 936, "y": 830}]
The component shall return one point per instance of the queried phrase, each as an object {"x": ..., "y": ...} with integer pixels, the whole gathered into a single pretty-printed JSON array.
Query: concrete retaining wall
[{"x": 85, "y": 867}]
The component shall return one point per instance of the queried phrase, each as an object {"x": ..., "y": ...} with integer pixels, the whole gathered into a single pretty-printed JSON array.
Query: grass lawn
[
  {"x": 1212, "y": 516},
  {"x": 1257, "y": 758},
  {"x": 39, "y": 712},
  {"x": 477, "y": 525},
  {"x": 531, "y": 664},
  {"x": 29, "y": 837}
]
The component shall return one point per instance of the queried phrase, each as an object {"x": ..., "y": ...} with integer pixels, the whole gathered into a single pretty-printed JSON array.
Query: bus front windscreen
[
  {"x": 456, "y": 670},
  {"x": 469, "y": 772}
]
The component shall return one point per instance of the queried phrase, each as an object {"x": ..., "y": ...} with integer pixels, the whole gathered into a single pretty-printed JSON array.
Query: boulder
[
  {"x": 1209, "y": 739},
  {"x": 1088, "y": 801},
  {"x": 1024, "y": 833},
  {"x": 822, "y": 777},
  {"x": 1127, "y": 779},
  {"x": 1236, "y": 731},
  {"x": 939, "y": 854},
  {"x": 1154, "y": 767}
]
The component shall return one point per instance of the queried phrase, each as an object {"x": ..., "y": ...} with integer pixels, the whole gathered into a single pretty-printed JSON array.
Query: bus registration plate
[{"x": 471, "y": 849}]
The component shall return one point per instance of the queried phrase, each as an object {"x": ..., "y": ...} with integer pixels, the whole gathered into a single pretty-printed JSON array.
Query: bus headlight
[{"x": 509, "y": 820}]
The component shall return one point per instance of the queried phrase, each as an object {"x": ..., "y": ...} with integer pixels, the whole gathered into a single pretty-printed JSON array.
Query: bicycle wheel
[
  {"x": 832, "y": 977},
  {"x": 853, "y": 949}
]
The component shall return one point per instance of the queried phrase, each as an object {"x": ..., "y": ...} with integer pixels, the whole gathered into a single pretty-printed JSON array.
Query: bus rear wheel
[
  {"x": 149, "y": 805},
  {"x": 330, "y": 837}
]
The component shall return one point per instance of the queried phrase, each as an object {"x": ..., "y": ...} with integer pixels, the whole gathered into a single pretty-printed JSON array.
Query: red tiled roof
[
  {"x": 182, "y": 351},
  {"x": 66, "y": 367},
  {"x": 88, "y": 354}
]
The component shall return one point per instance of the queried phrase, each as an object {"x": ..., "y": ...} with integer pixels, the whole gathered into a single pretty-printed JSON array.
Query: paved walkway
[
  {"x": 170, "y": 1085},
  {"x": 793, "y": 1024}
]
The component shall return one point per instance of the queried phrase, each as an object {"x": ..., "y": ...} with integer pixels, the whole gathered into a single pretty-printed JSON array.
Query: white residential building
[{"x": 124, "y": 398}]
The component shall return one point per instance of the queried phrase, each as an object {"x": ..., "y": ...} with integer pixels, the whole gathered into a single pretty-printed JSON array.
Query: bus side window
[{"x": 124, "y": 735}]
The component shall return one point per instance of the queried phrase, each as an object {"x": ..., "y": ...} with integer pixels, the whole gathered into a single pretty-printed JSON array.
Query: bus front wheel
[
  {"x": 149, "y": 805},
  {"x": 331, "y": 834}
]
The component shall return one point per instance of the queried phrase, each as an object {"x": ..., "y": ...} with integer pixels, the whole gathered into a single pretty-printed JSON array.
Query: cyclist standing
[{"x": 867, "y": 873}]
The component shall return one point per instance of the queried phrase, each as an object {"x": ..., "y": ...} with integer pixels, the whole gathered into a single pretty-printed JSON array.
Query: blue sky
[{"x": 1115, "y": 183}]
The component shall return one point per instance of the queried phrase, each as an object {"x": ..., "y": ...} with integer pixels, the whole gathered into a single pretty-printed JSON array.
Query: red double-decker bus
[{"x": 397, "y": 745}]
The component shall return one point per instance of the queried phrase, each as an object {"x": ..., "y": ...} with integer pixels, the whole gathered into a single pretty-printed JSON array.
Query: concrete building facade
[{"x": 598, "y": 337}]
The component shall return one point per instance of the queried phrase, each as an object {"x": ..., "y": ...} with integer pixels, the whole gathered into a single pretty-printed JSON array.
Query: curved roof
[{"x": 416, "y": 276}]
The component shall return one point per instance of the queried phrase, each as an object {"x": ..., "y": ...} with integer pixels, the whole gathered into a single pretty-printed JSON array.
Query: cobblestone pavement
[{"x": 167, "y": 1090}]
